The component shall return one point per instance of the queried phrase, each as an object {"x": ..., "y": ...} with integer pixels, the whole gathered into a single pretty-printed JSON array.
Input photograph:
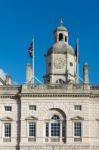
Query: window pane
[
  {"x": 32, "y": 107},
  {"x": 55, "y": 129},
  {"x": 32, "y": 129},
  {"x": 55, "y": 126},
  {"x": 77, "y": 129},
  {"x": 77, "y": 107},
  {"x": 47, "y": 129},
  {"x": 8, "y": 108},
  {"x": 7, "y": 130}
]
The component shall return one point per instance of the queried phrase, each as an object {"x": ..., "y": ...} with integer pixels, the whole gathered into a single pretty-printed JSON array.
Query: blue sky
[{"x": 21, "y": 20}]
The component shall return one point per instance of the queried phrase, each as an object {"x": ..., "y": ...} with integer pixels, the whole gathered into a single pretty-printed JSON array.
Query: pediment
[
  {"x": 31, "y": 118},
  {"x": 77, "y": 118},
  {"x": 6, "y": 119}
]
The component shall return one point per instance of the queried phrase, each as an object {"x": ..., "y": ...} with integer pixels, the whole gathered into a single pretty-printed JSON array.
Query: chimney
[
  {"x": 29, "y": 73},
  {"x": 86, "y": 76},
  {"x": 8, "y": 80}
]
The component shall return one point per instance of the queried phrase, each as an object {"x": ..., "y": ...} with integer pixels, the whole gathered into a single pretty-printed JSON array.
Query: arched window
[
  {"x": 55, "y": 126},
  {"x": 60, "y": 37},
  {"x": 55, "y": 130},
  {"x": 60, "y": 81}
]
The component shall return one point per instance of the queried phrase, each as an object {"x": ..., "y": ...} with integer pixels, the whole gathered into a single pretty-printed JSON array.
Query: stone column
[
  {"x": 29, "y": 73},
  {"x": 61, "y": 131},
  {"x": 86, "y": 76},
  {"x": 49, "y": 131}
]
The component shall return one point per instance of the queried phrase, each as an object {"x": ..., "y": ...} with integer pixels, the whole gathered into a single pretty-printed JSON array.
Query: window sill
[
  {"x": 55, "y": 139},
  {"x": 32, "y": 139},
  {"x": 6, "y": 139},
  {"x": 77, "y": 139}
]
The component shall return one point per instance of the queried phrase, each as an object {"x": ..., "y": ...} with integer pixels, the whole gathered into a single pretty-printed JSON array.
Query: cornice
[
  {"x": 11, "y": 96},
  {"x": 74, "y": 95},
  {"x": 55, "y": 95}
]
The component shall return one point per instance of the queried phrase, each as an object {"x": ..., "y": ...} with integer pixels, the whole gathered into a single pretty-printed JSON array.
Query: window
[
  {"x": 47, "y": 129},
  {"x": 77, "y": 107},
  {"x": 71, "y": 64},
  {"x": 60, "y": 81},
  {"x": 55, "y": 129},
  {"x": 55, "y": 126},
  {"x": 8, "y": 108},
  {"x": 32, "y": 129},
  {"x": 49, "y": 64},
  {"x": 63, "y": 130},
  {"x": 77, "y": 129},
  {"x": 65, "y": 39},
  {"x": 7, "y": 130},
  {"x": 32, "y": 107},
  {"x": 60, "y": 37}
]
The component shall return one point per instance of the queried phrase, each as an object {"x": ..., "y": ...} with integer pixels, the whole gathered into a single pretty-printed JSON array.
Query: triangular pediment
[
  {"x": 31, "y": 118},
  {"x": 77, "y": 118},
  {"x": 6, "y": 119}
]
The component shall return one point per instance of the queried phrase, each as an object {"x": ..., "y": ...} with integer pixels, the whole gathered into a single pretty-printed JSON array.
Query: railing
[
  {"x": 54, "y": 86},
  {"x": 10, "y": 87},
  {"x": 94, "y": 87}
]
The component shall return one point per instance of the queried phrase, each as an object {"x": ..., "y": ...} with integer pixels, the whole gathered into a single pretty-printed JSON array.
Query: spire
[{"x": 61, "y": 22}]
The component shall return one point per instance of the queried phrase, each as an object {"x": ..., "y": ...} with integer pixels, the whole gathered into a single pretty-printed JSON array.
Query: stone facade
[
  {"x": 54, "y": 115},
  {"x": 49, "y": 100}
]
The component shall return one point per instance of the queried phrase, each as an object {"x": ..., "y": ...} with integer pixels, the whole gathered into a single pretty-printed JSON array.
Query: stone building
[{"x": 60, "y": 114}]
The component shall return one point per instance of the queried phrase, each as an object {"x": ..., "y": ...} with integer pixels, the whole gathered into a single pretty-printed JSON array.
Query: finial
[{"x": 61, "y": 22}]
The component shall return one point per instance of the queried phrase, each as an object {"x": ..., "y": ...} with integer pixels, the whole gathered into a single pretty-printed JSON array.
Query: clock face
[{"x": 59, "y": 63}]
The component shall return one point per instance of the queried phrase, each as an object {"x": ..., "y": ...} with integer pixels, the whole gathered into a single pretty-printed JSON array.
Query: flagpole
[
  {"x": 33, "y": 61},
  {"x": 77, "y": 65}
]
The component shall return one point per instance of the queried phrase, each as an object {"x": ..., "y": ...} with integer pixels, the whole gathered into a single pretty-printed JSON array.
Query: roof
[
  {"x": 61, "y": 27},
  {"x": 61, "y": 47}
]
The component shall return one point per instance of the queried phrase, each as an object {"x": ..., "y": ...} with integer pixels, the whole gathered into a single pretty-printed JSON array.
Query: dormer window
[{"x": 60, "y": 37}]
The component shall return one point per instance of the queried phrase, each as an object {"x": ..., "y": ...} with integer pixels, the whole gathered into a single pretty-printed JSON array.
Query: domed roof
[
  {"x": 61, "y": 47},
  {"x": 61, "y": 27}
]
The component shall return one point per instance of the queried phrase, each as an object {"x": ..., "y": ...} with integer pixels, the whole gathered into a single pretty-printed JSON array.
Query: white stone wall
[
  {"x": 65, "y": 104},
  {"x": 14, "y": 123},
  {"x": 60, "y": 73},
  {"x": 46, "y": 107}
]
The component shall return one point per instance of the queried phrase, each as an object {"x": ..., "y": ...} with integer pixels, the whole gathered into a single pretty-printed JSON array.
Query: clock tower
[{"x": 60, "y": 59}]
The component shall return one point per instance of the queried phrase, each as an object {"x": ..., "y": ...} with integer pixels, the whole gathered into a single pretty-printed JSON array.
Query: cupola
[{"x": 61, "y": 33}]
